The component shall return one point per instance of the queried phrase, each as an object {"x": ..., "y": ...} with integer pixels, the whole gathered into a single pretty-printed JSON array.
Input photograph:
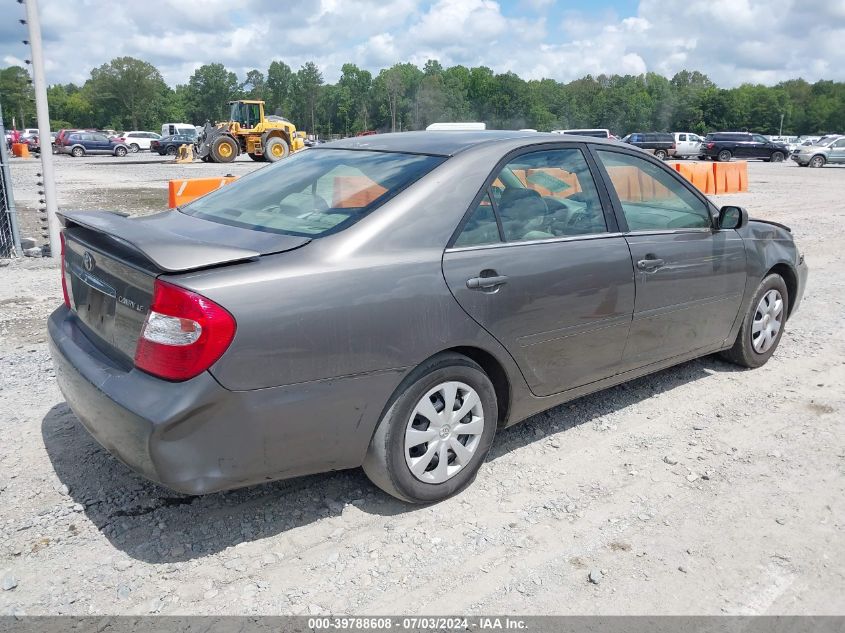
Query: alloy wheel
[
  {"x": 767, "y": 321},
  {"x": 443, "y": 432}
]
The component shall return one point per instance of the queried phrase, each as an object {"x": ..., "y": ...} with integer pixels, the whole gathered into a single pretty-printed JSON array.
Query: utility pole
[
  {"x": 40, "y": 84},
  {"x": 780, "y": 131}
]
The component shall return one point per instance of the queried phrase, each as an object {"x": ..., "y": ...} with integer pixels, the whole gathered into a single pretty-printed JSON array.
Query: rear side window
[
  {"x": 651, "y": 198},
  {"x": 313, "y": 193},
  {"x": 481, "y": 226}
]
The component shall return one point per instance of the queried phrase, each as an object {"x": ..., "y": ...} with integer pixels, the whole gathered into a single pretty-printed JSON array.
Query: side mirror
[{"x": 732, "y": 217}]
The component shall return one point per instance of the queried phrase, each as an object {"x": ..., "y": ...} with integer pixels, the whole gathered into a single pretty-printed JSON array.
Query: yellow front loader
[{"x": 248, "y": 131}]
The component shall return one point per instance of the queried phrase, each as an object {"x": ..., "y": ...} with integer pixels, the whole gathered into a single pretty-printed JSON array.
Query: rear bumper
[{"x": 196, "y": 437}]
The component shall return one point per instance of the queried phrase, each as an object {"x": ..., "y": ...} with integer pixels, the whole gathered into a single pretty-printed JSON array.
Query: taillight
[
  {"x": 64, "y": 280},
  {"x": 184, "y": 333},
  {"x": 711, "y": 145}
]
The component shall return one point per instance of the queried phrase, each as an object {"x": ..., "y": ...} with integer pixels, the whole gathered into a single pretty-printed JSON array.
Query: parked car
[
  {"x": 79, "y": 144},
  {"x": 723, "y": 146},
  {"x": 138, "y": 140},
  {"x": 828, "y": 149},
  {"x": 170, "y": 144},
  {"x": 687, "y": 144},
  {"x": 661, "y": 144},
  {"x": 392, "y": 301}
]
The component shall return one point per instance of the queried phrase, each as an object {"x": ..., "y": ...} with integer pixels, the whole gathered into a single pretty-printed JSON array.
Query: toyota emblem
[{"x": 88, "y": 261}]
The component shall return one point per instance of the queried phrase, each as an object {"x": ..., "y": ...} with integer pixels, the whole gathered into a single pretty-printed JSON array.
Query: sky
[{"x": 732, "y": 41}]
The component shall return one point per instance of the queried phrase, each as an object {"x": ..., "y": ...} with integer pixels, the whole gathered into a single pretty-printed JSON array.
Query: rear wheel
[
  {"x": 77, "y": 152},
  {"x": 762, "y": 327},
  {"x": 275, "y": 148},
  {"x": 134, "y": 148},
  {"x": 660, "y": 154},
  {"x": 171, "y": 150},
  {"x": 434, "y": 437},
  {"x": 224, "y": 150},
  {"x": 724, "y": 156},
  {"x": 777, "y": 157},
  {"x": 817, "y": 161}
]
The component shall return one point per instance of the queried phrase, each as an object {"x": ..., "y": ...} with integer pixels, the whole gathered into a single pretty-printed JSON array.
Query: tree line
[{"x": 128, "y": 93}]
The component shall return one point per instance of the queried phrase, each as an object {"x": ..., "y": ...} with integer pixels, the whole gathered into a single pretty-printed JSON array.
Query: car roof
[{"x": 447, "y": 143}]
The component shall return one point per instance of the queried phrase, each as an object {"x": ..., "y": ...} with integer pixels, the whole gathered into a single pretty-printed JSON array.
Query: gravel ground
[{"x": 703, "y": 489}]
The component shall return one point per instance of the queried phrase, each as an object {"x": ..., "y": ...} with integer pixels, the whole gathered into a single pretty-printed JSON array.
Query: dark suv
[
  {"x": 661, "y": 144},
  {"x": 79, "y": 144},
  {"x": 723, "y": 146}
]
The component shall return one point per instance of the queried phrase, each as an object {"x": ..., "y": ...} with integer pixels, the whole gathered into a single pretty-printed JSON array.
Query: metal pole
[
  {"x": 780, "y": 131},
  {"x": 40, "y": 85},
  {"x": 6, "y": 190}
]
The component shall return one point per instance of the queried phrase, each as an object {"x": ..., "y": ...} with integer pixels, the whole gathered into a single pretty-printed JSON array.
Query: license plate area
[{"x": 95, "y": 302}]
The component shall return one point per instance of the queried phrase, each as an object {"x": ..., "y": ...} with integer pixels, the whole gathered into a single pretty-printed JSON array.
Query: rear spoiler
[{"x": 170, "y": 252}]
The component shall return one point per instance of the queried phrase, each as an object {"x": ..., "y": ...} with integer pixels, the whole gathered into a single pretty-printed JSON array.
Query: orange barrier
[
  {"x": 634, "y": 185},
  {"x": 183, "y": 191},
  {"x": 731, "y": 177},
  {"x": 549, "y": 181},
  {"x": 355, "y": 192},
  {"x": 699, "y": 174},
  {"x": 20, "y": 149}
]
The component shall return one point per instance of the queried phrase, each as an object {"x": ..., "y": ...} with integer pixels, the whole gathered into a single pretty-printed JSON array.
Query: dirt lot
[{"x": 702, "y": 489}]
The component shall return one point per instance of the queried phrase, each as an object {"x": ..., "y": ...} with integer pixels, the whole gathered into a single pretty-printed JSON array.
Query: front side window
[
  {"x": 313, "y": 193},
  {"x": 536, "y": 196},
  {"x": 651, "y": 198}
]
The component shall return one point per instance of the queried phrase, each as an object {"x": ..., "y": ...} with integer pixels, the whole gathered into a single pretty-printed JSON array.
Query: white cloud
[{"x": 732, "y": 41}]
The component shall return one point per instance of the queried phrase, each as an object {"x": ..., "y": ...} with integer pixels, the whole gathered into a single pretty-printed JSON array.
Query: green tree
[
  {"x": 17, "y": 97},
  {"x": 309, "y": 81},
  {"x": 254, "y": 86},
  {"x": 127, "y": 91},
  {"x": 209, "y": 89},
  {"x": 358, "y": 85},
  {"x": 280, "y": 84}
]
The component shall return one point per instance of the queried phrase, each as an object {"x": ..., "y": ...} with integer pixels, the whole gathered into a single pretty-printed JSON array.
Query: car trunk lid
[{"x": 112, "y": 261}]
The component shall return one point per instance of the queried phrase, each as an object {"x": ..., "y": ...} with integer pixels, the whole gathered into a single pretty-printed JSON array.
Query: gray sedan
[{"x": 391, "y": 301}]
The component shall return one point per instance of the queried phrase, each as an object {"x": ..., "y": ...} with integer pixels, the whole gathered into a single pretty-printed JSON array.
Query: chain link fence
[{"x": 9, "y": 237}]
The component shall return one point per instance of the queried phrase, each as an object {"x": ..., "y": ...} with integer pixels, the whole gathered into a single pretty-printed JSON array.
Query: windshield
[{"x": 313, "y": 193}]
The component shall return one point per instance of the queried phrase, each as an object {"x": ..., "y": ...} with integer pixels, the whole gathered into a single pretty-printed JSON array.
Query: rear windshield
[{"x": 313, "y": 193}]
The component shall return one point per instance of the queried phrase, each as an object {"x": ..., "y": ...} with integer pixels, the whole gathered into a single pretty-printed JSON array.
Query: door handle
[
  {"x": 650, "y": 263},
  {"x": 486, "y": 283}
]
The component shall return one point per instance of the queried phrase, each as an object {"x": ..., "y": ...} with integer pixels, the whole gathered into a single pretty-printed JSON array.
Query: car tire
[
  {"x": 390, "y": 455},
  {"x": 749, "y": 349},
  {"x": 134, "y": 148},
  {"x": 724, "y": 156},
  {"x": 660, "y": 154},
  {"x": 777, "y": 157},
  {"x": 77, "y": 152},
  {"x": 817, "y": 161},
  {"x": 120, "y": 152},
  {"x": 171, "y": 150}
]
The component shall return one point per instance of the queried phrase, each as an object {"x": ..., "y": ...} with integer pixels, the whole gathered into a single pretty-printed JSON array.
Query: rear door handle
[
  {"x": 486, "y": 283},
  {"x": 650, "y": 263}
]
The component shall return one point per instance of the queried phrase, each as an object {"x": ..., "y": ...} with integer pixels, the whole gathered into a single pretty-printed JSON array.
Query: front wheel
[
  {"x": 224, "y": 150},
  {"x": 724, "y": 156},
  {"x": 276, "y": 149},
  {"x": 120, "y": 152},
  {"x": 762, "y": 327},
  {"x": 435, "y": 435},
  {"x": 817, "y": 161}
]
